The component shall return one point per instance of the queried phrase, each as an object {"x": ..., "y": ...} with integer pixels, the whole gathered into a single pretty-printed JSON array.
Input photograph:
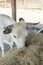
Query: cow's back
[{"x": 5, "y": 20}]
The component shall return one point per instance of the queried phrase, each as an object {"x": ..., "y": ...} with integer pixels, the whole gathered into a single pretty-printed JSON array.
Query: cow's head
[{"x": 18, "y": 31}]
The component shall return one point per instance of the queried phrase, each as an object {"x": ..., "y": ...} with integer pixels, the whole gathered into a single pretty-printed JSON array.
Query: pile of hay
[
  {"x": 31, "y": 55},
  {"x": 34, "y": 38}
]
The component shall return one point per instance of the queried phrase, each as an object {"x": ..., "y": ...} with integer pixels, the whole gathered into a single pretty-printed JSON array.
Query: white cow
[{"x": 5, "y": 21}]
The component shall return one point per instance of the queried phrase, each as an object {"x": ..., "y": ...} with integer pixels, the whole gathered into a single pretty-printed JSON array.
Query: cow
[{"x": 5, "y": 20}]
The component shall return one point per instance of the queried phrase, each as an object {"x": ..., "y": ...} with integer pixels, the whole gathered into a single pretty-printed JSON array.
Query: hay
[
  {"x": 25, "y": 56},
  {"x": 31, "y": 55},
  {"x": 34, "y": 38}
]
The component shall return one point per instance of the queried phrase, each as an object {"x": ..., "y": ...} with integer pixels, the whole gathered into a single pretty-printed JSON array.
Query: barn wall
[
  {"x": 5, "y": 7},
  {"x": 30, "y": 10}
]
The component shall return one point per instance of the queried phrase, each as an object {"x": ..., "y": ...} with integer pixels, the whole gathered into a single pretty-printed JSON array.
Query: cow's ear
[{"x": 7, "y": 31}]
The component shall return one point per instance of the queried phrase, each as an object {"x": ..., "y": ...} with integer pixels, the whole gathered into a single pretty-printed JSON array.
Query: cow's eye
[{"x": 14, "y": 36}]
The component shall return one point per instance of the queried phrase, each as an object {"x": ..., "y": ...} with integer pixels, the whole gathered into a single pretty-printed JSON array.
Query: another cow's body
[{"x": 5, "y": 21}]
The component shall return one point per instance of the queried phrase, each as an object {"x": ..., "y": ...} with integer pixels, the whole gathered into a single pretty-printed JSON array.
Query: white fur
[{"x": 5, "y": 21}]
